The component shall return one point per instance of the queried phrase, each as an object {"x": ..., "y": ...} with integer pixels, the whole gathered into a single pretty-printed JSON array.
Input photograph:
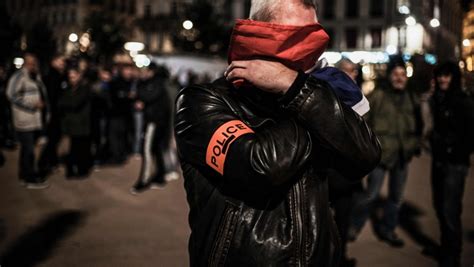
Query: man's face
[
  {"x": 350, "y": 69},
  {"x": 398, "y": 78},
  {"x": 105, "y": 75},
  {"x": 31, "y": 64},
  {"x": 59, "y": 64},
  {"x": 294, "y": 13},
  {"x": 126, "y": 72},
  {"x": 444, "y": 81},
  {"x": 74, "y": 77}
]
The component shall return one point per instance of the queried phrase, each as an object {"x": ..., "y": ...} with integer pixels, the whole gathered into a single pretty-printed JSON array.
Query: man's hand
[{"x": 269, "y": 76}]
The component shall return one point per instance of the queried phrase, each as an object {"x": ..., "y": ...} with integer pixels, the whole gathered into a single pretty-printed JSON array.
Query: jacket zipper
[
  {"x": 300, "y": 249},
  {"x": 224, "y": 236}
]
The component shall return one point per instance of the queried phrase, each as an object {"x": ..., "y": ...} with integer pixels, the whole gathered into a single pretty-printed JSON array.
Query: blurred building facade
[
  {"x": 394, "y": 26},
  {"x": 468, "y": 38},
  {"x": 147, "y": 21}
]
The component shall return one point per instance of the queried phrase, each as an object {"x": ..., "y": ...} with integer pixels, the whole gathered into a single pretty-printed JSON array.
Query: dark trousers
[
  {"x": 448, "y": 181},
  {"x": 118, "y": 139},
  {"x": 27, "y": 167},
  {"x": 49, "y": 154},
  {"x": 2, "y": 159},
  {"x": 154, "y": 148},
  {"x": 79, "y": 161},
  {"x": 7, "y": 131},
  {"x": 398, "y": 176}
]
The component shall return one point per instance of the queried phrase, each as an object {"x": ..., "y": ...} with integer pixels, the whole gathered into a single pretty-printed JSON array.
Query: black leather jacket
[{"x": 270, "y": 206}]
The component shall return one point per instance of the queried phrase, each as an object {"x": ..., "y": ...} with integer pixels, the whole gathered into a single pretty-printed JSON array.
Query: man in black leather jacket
[{"x": 255, "y": 159}]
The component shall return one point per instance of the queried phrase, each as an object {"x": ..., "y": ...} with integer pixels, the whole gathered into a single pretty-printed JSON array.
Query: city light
[
  {"x": 409, "y": 71},
  {"x": 435, "y": 23},
  {"x": 366, "y": 69},
  {"x": 431, "y": 59},
  {"x": 332, "y": 57},
  {"x": 410, "y": 21},
  {"x": 18, "y": 62},
  {"x": 141, "y": 61},
  {"x": 404, "y": 10},
  {"x": 391, "y": 49},
  {"x": 134, "y": 46},
  {"x": 466, "y": 42},
  {"x": 73, "y": 37},
  {"x": 188, "y": 25}
]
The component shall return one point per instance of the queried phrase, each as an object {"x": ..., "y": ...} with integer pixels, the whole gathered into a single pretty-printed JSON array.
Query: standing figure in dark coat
[
  {"x": 451, "y": 145},
  {"x": 120, "y": 115},
  {"x": 153, "y": 99},
  {"x": 55, "y": 82},
  {"x": 75, "y": 105}
]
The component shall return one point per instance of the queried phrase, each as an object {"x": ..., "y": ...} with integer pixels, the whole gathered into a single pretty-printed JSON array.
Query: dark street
[{"x": 97, "y": 222}]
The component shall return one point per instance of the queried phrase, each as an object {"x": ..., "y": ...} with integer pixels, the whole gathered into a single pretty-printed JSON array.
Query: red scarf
[{"x": 297, "y": 47}]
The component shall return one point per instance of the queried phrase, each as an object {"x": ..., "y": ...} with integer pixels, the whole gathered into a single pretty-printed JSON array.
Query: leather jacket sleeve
[
  {"x": 262, "y": 160},
  {"x": 337, "y": 128}
]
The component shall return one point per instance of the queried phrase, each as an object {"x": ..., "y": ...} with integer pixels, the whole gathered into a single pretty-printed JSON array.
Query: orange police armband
[{"x": 220, "y": 142}]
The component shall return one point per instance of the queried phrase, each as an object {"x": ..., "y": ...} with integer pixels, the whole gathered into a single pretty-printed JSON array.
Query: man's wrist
[{"x": 293, "y": 90}]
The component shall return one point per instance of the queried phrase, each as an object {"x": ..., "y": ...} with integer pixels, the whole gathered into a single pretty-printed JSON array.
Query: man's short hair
[{"x": 262, "y": 10}]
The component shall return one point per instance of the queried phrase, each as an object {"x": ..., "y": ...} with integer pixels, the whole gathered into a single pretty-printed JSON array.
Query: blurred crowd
[{"x": 101, "y": 114}]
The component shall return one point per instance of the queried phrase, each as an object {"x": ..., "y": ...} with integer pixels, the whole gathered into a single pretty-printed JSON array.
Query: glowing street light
[
  {"x": 18, "y": 62},
  {"x": 435, "y": 23},
  {"x": 134, "y": 46},
  {"x": 141, "y": 60},
  {"x": 404, "y": 10},
  {"x": 391, "y": 49},
  {"x": 466, "y": 42},
  {"x": 73, "y": 37},
  {"x": 410, "y": 21},
  {"x": 188, "y": 25}
]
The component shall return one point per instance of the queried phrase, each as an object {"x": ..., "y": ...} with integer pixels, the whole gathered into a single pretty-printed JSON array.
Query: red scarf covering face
[{"x": 297, "y": 47}]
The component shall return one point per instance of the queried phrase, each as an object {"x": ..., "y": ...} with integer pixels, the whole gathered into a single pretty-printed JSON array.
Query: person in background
[
  {"x": 100, "y": 102},
  {"x": 120, "y": 114},
  {"x": 28, "y": 97},
  {"x": 55, "y": 83},
  {"x": 7, "y": 131},
  {"x": 75, "y": 106},
  {"x": 341, "y": 192},
  {"x": 153, "y": 99},
  {"x": 452, "y": 143},
  {"x": 393, "y": 119},
  {"x": 349, "y": 67},
  {"x": 138, "y": 120}
]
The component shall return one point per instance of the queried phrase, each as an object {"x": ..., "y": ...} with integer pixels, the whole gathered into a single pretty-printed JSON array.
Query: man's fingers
[
  {"x": 236, "y": 64},
  {"x": 236, "y": 73}
]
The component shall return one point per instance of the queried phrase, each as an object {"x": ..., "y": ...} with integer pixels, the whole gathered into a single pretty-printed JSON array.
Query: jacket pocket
[{"x": 224, "y": 236}]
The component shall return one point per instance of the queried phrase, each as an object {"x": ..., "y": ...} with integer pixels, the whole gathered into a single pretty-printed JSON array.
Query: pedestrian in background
[
  {"x": 100, "y": 102},
  {"x": 153, "y": 99},
  {"x": 7, "y": 131},
  {"x": 341, "y": 190},
  {"x": 138, "y": 118},
  {"x": 28, "y": 98},
  {"x": 75, "y": 106},
  {"x": 120, "y": 115},
  {"x": 393, "y": 119},
  {"x": 452, "y": 142},
  {"x": 55, "y": 82}
]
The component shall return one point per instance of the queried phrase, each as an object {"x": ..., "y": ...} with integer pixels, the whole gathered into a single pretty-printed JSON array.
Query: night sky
[{"x": 466, "y": 3}]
